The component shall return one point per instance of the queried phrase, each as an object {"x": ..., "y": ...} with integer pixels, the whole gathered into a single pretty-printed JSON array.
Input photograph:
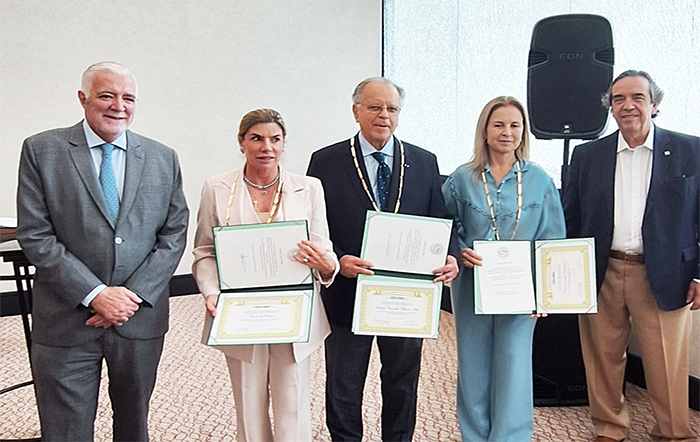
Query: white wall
[
  {"x": 471, "y": 52},
  {"x": 200, "y": 65}
]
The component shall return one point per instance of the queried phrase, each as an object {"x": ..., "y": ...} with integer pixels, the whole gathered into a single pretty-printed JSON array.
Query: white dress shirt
[{"x": 632, "y": 179}]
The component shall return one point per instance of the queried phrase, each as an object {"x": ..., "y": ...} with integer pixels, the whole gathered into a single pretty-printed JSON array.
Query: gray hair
[
  {"x": 655, "y": 91},
  {"x": 111, "y": 66},
  {"x": 360, "y": 88}
]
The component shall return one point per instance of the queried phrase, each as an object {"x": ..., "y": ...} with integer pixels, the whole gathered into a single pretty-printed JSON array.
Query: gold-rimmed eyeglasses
[{"x": 376, "y": 109}]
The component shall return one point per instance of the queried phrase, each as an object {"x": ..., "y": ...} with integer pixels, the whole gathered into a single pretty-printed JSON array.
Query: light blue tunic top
[
  {"x": 542, "y": 216},
  {"x": 494, "y": 351}
]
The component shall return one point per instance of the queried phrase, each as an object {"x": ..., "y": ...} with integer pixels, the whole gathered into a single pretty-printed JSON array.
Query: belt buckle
[{"x": 631, "y": 257}]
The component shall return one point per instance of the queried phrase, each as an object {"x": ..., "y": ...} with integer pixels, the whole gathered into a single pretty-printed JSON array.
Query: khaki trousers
[
  {"x": 273, "y": 375},
  {"x": 663, "y": 337}
]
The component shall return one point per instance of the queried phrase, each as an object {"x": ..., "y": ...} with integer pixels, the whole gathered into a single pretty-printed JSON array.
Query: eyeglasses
[{"x": 376, "y": 109}]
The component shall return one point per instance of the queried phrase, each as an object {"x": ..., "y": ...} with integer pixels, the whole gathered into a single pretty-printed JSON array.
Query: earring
[{"x": 242, "y": 151}]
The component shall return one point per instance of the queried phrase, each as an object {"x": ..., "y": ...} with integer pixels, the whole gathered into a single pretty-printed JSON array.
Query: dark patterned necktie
[
  {"x": 108, "y": 182},
  {"x": 383, "y": 178}
]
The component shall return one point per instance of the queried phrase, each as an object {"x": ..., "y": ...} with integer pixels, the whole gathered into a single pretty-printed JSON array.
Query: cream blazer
[{"x": 302, "y": 198}]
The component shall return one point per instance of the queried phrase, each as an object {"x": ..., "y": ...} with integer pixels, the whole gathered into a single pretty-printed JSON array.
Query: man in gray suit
[{"x": 102, "y": 216}]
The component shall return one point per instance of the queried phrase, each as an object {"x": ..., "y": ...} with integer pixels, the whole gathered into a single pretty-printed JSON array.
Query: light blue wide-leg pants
[{"x": 494, "y": 381}]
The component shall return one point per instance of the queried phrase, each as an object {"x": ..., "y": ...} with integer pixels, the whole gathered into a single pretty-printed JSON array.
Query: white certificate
[
  {"x": 566, "y": 276},
  {"x": 391, "y": 306},
  {"x": 260, "y": 255},
  {"x": 405, "y": 243},
  {"x": 261, "y": 318},
  {"x": 503, "y": 284}
]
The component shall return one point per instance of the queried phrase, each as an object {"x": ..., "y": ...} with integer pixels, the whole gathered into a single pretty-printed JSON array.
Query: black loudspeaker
[
  {"x": 559, "y": 377},
  {"x": 570, "y": 67}
]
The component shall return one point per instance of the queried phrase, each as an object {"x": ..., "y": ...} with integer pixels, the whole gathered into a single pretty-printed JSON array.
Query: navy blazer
[
  {"x": 670, "y": 224},
  {"x": 347, "y": 204}
]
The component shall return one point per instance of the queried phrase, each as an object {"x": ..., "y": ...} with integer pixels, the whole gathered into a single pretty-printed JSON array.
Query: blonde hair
[
  {"x": 260, "y": 116},
  {"x": 481, "y": 154}
]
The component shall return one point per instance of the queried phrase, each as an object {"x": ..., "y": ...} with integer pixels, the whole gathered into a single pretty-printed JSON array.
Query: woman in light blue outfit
[{"x": 494, "y": 386}]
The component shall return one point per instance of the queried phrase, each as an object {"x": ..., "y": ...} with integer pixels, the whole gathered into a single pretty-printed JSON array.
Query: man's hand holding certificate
[{"x": 401, "y": 299}]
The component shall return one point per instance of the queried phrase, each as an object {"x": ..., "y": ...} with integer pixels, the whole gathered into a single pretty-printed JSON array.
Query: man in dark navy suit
[
  {"x": 353, "y": 178},
  {"x": 636, "y": 192}
]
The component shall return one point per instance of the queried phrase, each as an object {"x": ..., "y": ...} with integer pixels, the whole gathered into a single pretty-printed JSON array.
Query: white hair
[{"x": 111, "y": 66}]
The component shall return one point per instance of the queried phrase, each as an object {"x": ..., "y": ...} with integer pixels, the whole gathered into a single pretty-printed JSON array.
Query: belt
[{"x": 627, "y": 256}]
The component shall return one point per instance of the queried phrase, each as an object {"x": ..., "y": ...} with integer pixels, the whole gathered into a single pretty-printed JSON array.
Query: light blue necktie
[
  {"x": 108, "y": 182},
  {"x": 383, "y": 179}
]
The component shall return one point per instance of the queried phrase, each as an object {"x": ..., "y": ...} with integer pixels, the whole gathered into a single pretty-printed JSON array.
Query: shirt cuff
[
  {"x": 697, "y": 280},
  {"x": 93, "y": 294}
]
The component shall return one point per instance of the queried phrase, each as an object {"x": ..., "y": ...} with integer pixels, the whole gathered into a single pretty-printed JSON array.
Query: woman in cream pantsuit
[{"x": 262, "y": 192}]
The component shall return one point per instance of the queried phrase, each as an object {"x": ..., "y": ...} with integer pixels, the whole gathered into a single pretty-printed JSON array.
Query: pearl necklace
[
  {"x": 519, "y": 188},
  {"x": 275, "y": 201},
  {"x": 264, "y": 187}
]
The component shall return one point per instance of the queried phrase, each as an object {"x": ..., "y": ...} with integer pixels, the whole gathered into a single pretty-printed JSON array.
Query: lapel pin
[{"x": 667, "y": 153}]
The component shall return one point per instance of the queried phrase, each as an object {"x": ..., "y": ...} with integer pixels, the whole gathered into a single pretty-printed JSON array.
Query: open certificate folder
[
  {"x": 400, "y": 299},
  {"x": 562, "y": 279},
  {"x": 265, "y": 294}
]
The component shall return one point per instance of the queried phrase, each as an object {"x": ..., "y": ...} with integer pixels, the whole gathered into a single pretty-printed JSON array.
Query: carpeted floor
[{"x": 193, "y": 399}]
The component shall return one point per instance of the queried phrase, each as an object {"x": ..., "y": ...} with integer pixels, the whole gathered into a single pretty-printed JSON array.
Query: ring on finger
[{"x": 306, "y": 259}]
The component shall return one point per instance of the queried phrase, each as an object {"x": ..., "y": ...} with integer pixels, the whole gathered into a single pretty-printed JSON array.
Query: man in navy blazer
[
  {"x": 350, "y": 176},
  {"x": 636, "y": 193},
  {"x": 102, "y": 216}
]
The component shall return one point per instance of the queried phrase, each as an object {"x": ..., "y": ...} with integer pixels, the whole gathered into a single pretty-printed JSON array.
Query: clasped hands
[
  {"x": 351, "y": 266},
  {"x": 113, "y": 306}
]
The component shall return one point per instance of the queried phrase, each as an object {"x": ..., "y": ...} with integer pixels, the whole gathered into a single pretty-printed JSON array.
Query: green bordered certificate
[
  {"x": 524, "y": 277},
  {"x": 260, "y": 255},
  {"x": 261, "y": 318},
  {"x": 566, "y": 276},
  {"x": 405, "y": 243},
  {"x": 503, "y": 284},
  {"x": 266, "y": 296},
  {"x": 397, "y": 306}
]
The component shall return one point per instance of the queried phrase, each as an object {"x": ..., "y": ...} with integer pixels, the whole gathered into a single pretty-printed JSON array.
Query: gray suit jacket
[{"x": 65, "y": 230}]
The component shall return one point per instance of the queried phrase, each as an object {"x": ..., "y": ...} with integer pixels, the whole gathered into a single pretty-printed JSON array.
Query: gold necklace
[
  {"x": 275, "y": 201},
  {"x": 364, "y": 183},
  {"x": 519, "y": 189}
]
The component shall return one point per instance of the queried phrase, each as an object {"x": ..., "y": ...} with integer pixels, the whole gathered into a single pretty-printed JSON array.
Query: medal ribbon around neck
[
  {"x": 275, "y": 201},
  {"x": 494, "y": 227},
  {"x": 364, "y": 183}
]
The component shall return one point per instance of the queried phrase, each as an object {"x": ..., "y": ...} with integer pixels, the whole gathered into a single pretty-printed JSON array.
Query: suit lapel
[
  {"x": 606, "y": 170},
  {"x": 351, "y": 170},
  {"x": 663, "y": 155},
  {"x": 82, "y": 159},
  {"x": 132, "y": 175}
]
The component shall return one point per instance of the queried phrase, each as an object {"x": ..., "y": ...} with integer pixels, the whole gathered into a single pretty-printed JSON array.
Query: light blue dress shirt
[
  {"x": 371, "y": 163},
  {"x": 95, "y": 143}
]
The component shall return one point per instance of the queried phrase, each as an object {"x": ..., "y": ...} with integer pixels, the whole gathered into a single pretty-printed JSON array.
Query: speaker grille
[
  {"x": 570, "y": 65},
  {"x": 606, "y": 56},
  {"x": 537, "y": 57}
]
